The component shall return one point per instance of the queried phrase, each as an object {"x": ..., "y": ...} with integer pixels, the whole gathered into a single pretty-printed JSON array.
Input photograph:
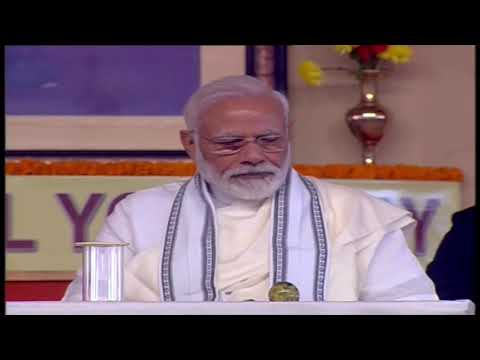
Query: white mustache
[{"x": 244, "y": 170}]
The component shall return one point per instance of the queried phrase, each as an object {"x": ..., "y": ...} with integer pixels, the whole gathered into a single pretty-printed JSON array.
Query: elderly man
[{"x": 247, "y": 220}]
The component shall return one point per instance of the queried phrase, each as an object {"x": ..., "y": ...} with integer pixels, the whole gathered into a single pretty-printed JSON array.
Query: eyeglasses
[{"x": 228, "y": 145}]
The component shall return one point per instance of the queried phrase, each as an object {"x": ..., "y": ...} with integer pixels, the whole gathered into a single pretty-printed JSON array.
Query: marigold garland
[{"x": 146, "y": 168}]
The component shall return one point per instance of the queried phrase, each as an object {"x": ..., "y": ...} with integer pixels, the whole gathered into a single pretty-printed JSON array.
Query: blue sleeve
[{"x": 452, "y": 269}]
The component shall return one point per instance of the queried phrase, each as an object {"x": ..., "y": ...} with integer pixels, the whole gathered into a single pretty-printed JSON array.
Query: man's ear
[
  {"x": 290, "y": 128},
  {"x": 186, "y": 137}
]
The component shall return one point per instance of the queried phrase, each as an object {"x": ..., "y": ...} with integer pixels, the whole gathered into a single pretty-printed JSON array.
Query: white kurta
[
  {"x": 368, "y": 258},
  {"x": 243, "y": 254}
]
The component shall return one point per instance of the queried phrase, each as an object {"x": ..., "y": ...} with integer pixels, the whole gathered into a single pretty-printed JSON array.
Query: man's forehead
[
  {"x": 245, "y": 104},
  {"x": 234, "y": 112}
]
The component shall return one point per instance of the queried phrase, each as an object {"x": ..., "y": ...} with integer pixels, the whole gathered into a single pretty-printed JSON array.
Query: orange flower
[{"x": 132, "y": 168}]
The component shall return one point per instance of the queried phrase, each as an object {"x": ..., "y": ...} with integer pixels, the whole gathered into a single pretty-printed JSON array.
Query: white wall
[{"x": 431, "y": 102}]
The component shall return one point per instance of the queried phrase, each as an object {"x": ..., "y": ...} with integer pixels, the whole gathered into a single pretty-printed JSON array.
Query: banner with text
[{"x": 46, "y": 215}]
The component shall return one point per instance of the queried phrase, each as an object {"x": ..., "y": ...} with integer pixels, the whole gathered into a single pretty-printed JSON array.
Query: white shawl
[
  {"x": 301, "y": 245},
  {"x": 323, "y": 239}
]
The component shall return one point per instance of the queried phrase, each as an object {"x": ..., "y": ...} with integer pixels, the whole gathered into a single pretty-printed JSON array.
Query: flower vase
[{"x": 367, "y": 120}]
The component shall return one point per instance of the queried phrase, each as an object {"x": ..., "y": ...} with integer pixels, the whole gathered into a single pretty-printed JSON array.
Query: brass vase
[{"x": 367, "y": 120}]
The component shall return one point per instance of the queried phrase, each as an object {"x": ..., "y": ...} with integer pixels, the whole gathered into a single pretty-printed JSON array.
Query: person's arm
[
  {"x": 394, "y": 273},
  {"x": 117, "y": 228},
  {"x": 452, "y": 268}
]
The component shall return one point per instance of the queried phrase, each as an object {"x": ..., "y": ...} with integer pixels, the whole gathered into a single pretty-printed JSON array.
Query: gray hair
[{"x": 228, "y": 87}]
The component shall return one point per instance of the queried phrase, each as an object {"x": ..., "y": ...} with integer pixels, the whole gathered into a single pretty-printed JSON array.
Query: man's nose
[{"x": 252, "y": 154}]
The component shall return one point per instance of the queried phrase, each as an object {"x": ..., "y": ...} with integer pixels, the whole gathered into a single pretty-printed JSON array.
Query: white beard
[{"x": 230, "y": 186}]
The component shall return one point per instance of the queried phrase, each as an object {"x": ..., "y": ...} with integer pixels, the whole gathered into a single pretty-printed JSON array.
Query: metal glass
[{"x": 102, "y": 271}]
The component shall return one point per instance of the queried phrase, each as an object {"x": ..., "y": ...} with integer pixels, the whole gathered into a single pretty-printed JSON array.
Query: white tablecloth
[{"x": 460, "y": 307}]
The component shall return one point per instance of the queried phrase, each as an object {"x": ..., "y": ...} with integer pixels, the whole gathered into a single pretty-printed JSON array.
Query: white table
[{"x": 460, "y": 307}]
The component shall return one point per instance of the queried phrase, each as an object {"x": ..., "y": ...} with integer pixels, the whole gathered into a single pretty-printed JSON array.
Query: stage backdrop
[
  {"x": 106, "y": 97},
  {"x": 45, "y": 215}
]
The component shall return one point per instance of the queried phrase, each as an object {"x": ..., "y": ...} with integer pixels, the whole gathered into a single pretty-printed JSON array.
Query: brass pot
[{"x": 367, "y": 120}]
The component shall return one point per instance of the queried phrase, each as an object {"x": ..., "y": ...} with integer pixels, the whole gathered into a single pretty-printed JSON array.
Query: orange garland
[{"x": 145, "y": 168}]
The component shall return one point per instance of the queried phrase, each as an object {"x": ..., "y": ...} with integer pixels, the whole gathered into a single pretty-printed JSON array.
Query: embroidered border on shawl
[
  {"x": 320, "y": 241},
  {"x": 208, "y": 247},
  {"x": 166, "y": 276},
  {"x": 280, "y": 226}
]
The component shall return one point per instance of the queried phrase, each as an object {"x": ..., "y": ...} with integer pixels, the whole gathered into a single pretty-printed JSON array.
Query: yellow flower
[
  {"x": 398, "y": 54},
  {"x": 344, "y": 49},
  {"x": 311, "y": 73}
]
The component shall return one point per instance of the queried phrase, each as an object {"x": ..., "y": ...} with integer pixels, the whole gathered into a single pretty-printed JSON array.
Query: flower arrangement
[
  {"x": 367, "y": 57},
  {"x": 144, "y": 168}
]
